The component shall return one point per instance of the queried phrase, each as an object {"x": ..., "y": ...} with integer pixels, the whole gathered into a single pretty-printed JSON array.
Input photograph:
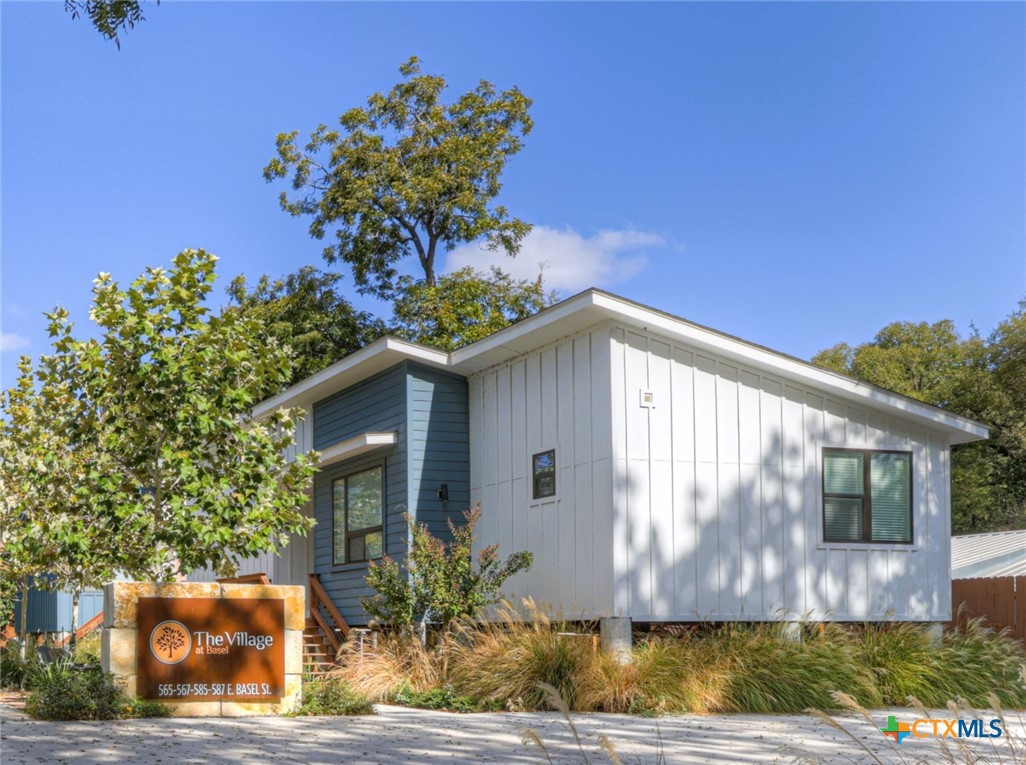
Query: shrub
[
  {"x": 444, "y": 698},
  {"x": 333, "y": 696},
  {"x": 439, "y": 582},
  {"x": 61, "y": 692},
  {"x": 13, "y": 669},
  {"x": 139, "y": 708}
]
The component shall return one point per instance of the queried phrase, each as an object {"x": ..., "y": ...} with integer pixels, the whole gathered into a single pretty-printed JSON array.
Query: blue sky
[{"x": 795, "y": 174}]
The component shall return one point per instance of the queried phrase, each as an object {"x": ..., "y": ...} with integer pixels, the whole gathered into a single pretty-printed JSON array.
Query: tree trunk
[
  {"x": 76, "y": 594},
  {"x": 23, "y": 625}
]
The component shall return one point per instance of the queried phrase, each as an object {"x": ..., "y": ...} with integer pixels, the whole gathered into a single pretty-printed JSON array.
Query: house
[
  {"x": 995, "y": 554},
  {"x": 51, "y": 611},
  {"x": 658, "y": 470}
]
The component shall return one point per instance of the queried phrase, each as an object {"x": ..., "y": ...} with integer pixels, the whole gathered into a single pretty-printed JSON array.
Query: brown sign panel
[{"x": 211, "y": 649}]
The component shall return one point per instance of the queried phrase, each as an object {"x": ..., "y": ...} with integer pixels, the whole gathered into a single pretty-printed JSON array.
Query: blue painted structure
[
  {"x": 427, "y": 409},
  {"x": 50, "y": 610}
]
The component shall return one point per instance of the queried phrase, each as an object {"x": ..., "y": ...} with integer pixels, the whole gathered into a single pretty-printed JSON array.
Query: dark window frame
[
  {"x": 867, "y": 496},
  {"x": 363, "y": 532},
  {"x": 535, "y": 477}
]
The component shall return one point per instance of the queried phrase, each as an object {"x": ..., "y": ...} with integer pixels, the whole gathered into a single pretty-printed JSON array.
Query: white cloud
[
  {"x": 570, "y": 261},
  {"x": 12, "y": 342}
]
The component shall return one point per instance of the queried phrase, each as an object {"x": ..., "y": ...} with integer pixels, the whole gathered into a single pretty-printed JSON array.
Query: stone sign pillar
[{"x": 206, "y": 649}]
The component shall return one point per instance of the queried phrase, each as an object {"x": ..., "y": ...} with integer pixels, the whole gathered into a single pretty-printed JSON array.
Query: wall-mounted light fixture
[{"x": 443, "y": 492}]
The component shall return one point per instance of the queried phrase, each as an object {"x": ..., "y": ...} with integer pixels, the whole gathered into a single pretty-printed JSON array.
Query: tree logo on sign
[{"x": 170, "y": 642}]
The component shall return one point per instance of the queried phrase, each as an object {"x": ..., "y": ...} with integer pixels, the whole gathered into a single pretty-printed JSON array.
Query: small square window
[{"x": 543, "y": 473}]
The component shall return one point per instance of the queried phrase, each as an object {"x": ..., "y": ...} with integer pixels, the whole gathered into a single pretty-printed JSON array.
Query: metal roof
[{"x": 1000, "y": 553}]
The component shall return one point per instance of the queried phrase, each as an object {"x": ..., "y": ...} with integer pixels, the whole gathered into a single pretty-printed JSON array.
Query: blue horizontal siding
[
  {"x": 428, "y": 410},
  {"x": 377, "y": 404},
  {"x": 439, "y": 448}
]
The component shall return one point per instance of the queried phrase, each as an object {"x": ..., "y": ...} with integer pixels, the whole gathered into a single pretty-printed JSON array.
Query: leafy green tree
[
  {"x": 973, "y": 377},
  {"x": 438, "y": 582},
  {"x": 53, "y": 533},
  {"x": 465, "y": 306},
  {"x": 110, "y": 17},
  {"x": 406, "y": 175},
  {"x": 141, "y": 456},
  {"x": 303, "y": 311}
]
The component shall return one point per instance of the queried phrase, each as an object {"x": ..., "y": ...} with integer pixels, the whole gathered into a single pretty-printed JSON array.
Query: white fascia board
[
  {"x": 376, "y": 357},
  {"x": 560, "y": 320},
  {"x": 594, "y": 306},
  {"x": 366, "y": 442}
]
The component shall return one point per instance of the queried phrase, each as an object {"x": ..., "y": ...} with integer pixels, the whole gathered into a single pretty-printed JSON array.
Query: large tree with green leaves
[
  {"x": 305, "y": 312},
  {"x": 972, "y": 376},
  {"x": 465, "y": 306},
  {"x": 140, "y": 454},
  {"x": 408, "y": 175}
]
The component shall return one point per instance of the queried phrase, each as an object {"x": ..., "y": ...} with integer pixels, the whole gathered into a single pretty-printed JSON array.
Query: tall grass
[
  {"x": 506, "y": 660},
  {"x": 397, "y": 664},
  {"x": 726, "y": 668},
  {"x": 770, "y": 672},
  {"x": 971, "y": 663}
]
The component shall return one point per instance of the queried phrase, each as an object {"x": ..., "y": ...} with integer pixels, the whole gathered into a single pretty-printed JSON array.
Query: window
[
  {"x": 867, "y": 496},
  {"x": 358, "y": 508},
  {"x": 543, "y": 473}
]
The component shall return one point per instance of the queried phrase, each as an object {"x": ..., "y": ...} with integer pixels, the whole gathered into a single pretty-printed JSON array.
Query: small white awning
[{"x": 353, "y": 447}]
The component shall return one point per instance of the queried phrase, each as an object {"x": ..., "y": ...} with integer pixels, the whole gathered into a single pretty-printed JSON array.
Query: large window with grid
[
  {"x": 867, "y": 496},
  {"x": 358, "y": 512}
]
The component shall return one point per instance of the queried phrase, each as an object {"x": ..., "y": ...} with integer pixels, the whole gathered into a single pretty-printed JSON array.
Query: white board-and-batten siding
[
  {"x": 553, "y": 398},
  {"x": 707, "y": 505}
]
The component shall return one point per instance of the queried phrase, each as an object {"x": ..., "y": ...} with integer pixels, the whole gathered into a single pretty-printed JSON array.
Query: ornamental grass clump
[
  {"x": 768, "y": 671},
  {"x": 504, "y": 661},
  {"x": 399, "y": 662},
  {"x": 977, "y": 663}
]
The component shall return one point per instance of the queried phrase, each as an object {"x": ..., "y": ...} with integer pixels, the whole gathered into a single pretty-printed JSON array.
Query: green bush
[
  {"x": 139, "y": 708},
  {"x": 13, "y": 670},
  {"x": 332, "y": 696},
  {"x": 61, "y": 692},
  {"x": 444, "y": 698}
]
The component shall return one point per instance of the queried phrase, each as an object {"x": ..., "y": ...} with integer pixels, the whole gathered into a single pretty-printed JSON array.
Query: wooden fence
[{"x": 1000, "y": 600}]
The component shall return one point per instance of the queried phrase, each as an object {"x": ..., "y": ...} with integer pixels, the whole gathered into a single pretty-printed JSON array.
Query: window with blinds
[{"x": 867, "y": 496}]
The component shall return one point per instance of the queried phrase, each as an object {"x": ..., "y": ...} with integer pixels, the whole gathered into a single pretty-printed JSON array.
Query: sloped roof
[
  {"x": 1000, "y": 553},
  {"x": 592, "y": 307}
]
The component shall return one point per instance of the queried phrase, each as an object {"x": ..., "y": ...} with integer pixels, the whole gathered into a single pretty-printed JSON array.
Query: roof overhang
[
  {"x": 366, "y": 362},
  {"x": 353, "y": 447},
  {"x": 593, "y": 307}
]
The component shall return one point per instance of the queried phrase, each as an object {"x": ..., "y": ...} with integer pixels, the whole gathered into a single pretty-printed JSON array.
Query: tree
[
  {"x": 972, "y": 377},
  {"x": 465, "y": 306},
  {"x": 110, "y": 17},
  {"x": 439, "y": 583},
  {"x": 53, "y": 535},
  {"x": 141, "y": 454},
  {"x": 407, "y": 174},
  {"x": 304, "y": 312}
]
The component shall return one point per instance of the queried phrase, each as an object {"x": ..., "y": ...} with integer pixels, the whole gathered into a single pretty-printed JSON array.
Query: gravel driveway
[{"x": 398, "y": 734}]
